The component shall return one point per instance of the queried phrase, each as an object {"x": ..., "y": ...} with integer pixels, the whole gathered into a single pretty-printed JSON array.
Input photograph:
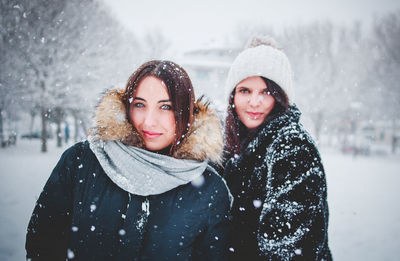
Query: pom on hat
[{"x": 262, "y": 40}]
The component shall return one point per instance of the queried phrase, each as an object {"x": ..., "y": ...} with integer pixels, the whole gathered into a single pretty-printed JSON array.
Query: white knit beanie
[{"x": 261, "y": 58}]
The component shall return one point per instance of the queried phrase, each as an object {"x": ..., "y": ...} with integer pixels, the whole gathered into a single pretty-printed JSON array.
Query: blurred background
[{"x": 58, "y": 57}]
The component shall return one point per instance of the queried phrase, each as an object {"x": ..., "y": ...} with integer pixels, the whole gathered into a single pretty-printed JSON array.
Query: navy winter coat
[
  {"x": 278, "y": 182},
  {"x": 82, "y": 215}
]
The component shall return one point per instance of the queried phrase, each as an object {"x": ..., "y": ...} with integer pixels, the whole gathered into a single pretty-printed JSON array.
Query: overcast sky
[{"x": 191, "y": 24}]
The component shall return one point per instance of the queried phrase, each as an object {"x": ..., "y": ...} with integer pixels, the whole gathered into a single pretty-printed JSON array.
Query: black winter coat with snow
[
  {"x": 280, "y": 211},
  {"x": 83, "y": 215}
]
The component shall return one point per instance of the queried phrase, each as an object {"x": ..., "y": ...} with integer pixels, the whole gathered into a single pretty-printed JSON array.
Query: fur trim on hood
[{"x": 203, "y": 140}]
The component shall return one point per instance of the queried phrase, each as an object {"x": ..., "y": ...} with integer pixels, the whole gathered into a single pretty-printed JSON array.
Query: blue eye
[
  {"x": 267, "y": 92},
  {"x": 166, "y": 107},
  {"x": 138, "y": 105}
]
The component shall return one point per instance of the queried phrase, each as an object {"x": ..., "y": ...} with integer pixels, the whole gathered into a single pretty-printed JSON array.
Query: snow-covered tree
[
  {"x": 155, "y": 45},
  {"x": 385, "y": 72},
  {"x": 311, "y": 49},
  {"x": 70, "y": 51},
  {"x": 10, "y": 62}
]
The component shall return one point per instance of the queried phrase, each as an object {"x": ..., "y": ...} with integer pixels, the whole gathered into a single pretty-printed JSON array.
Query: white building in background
[{"x": 208, "y": 68}]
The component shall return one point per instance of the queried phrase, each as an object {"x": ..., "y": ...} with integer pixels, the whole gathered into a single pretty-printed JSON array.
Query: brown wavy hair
[
  {"x": 180, "y": 90},
  {"x": 236, "y": 134}
]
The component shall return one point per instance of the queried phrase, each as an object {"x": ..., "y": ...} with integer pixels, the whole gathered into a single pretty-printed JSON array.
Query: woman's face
[
  {"x": 152, "y": 114},
  {"x": 252, "y": 101}
]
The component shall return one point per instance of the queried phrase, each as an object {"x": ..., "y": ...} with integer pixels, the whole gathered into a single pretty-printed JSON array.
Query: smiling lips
[
  {"x": 151, "y": 135},
  {"x": 254, "y": 115}
]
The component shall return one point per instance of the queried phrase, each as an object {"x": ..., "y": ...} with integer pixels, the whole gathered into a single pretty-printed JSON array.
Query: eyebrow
[
  {"x": 160, "y": 101},
  {"x": 244, "y": 87}
]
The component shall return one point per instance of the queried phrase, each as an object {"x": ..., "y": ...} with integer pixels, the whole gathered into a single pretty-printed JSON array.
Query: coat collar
[
  {"x": 203, "y": 140},
  {"x": 269, "y": 131}
]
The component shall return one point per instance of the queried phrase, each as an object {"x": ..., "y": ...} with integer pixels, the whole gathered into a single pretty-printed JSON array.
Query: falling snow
[
  {"x": 257, "y": 203},
  {"x": 198, "y": 182},
  {"x": 70, "y": 254},
  {"x": 122, "y": 232}
]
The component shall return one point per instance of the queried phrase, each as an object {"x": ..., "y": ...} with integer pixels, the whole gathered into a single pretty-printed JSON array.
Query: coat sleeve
[
  {"x": 49, "y": 226},
  {"x": 294, "y": 217},
  {"x": 214, "y": 242}
]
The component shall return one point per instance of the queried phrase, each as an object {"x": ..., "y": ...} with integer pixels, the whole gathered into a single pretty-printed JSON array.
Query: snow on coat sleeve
[
  {"x": 49, "y": 225},
  {"x": 214, "y": 243},
  {"x": 294, "y": 218}
]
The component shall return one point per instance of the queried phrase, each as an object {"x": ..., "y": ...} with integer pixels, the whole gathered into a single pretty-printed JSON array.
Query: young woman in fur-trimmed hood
[{"x": 140, "y": 188}]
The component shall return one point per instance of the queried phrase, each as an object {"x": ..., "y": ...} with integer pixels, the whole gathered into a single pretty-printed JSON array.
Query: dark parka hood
[
  {"x": 203, "y": 140},
  {"x": 282, "y": 124}
]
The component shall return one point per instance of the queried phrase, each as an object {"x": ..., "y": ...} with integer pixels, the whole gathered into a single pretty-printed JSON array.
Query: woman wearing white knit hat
[{"x": 273, "y": 168}]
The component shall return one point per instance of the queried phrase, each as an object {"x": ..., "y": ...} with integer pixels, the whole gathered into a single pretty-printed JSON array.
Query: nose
[
  {"x": 255, "y": 100},
  {"x": 150, "y": 119}
]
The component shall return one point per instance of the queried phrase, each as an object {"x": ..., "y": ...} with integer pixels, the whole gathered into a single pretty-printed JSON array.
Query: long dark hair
[
  {"x": 180, "y": 90},
  {"x": 236, "y": 134}
]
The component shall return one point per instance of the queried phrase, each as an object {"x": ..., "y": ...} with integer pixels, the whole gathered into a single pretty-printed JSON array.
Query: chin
[
  {"x": 154, "y": 147},
  {"x": 252, "y": 125}
]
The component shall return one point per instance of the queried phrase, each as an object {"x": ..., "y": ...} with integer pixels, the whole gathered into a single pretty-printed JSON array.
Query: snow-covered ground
[
  {"x": 363, "y": 196},
  {"x": 362, "y": 193}
]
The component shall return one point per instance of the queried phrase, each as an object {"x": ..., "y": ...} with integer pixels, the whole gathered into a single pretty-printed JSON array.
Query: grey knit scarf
[{"x": 143, "y": 172}]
